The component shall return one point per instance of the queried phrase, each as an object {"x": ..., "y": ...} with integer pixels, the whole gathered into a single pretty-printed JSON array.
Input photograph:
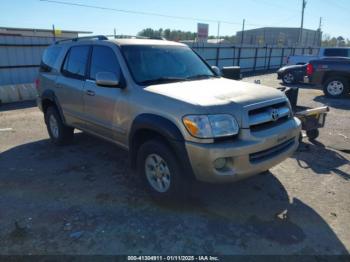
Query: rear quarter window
[
  {"x": 49, "y": 58},
  {"x": 336, "y": 52}
]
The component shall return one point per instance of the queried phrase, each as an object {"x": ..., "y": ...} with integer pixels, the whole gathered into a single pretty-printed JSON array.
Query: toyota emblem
[{"x": 275, "y": 114}]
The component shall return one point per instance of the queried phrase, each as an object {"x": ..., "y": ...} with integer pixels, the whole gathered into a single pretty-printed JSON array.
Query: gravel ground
[{"x": 82, "y": 199}]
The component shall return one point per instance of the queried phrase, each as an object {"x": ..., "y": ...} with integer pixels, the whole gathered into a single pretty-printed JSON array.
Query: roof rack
[
  {"x": 93, "y": 37},
  {"x": 136, "y": 37},
  {"x": 105, "y": 37}
]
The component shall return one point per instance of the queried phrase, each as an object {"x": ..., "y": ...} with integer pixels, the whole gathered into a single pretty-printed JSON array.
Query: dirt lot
[{"x": 81, "y": 199}]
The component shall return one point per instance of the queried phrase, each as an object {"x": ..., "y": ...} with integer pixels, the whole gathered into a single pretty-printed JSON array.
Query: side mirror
[
  {"x": 216, "y": 70},
  {"x": 107, "y": 79}
]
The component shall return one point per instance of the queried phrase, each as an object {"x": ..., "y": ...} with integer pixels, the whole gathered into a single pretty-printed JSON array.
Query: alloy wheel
[{"x": 157, "y": 173}]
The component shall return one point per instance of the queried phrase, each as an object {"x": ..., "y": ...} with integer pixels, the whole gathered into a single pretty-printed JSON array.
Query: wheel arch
[
  {"x": 48, "y": 98},
  {"x": 149, "y": 126},
  {"x": 333, "y": 74}
]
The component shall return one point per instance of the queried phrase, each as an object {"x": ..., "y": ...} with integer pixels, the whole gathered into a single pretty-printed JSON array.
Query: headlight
[{"x": 211, "y": 126}]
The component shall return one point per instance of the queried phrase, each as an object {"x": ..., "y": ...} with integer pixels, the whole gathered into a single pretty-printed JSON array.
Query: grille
[
  {"x": 268, "y": 116},
  {"x": 271, "y": 152}
]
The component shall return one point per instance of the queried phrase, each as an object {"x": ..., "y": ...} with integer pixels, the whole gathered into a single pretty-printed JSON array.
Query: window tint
[
  {"x": 76, "y": 60},
  {"x": 336, "y": 52},
  {"x": 103, "y": 59},
  {"x": 49, "y": 58}
]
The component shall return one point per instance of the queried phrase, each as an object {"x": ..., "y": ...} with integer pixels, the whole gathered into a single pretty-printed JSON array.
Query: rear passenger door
[
  {"x": 70, "y": 84},
  {"x": 100, "y": 103}
]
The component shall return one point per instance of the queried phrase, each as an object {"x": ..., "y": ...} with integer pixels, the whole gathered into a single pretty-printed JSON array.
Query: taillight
[
  {"x": 37, "y": 83},
  {"x": 309, "y": 69}
]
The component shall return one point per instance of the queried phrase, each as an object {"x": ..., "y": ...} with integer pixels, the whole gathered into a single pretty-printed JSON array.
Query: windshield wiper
[
  {"x": 200, "y": 76},
  {"x": 162, "y": 80}
]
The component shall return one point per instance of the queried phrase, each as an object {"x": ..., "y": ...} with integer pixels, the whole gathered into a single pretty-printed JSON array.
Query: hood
[{"x": 216, "y": 92}]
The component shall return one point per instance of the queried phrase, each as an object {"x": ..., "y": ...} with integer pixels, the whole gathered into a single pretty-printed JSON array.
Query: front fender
[{"x": 164, "y": 128}]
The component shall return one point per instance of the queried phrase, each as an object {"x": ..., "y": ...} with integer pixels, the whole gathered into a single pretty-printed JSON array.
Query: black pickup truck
[{"x": 332, "y": 74}]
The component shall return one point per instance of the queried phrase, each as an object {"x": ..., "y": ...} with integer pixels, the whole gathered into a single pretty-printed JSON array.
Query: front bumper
[{"x": 250, "y": 154}]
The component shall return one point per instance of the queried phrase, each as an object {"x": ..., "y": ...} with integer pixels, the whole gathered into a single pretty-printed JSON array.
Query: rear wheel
[
  {"x": 59, "y": 133},
  {"x": 288, "y": 78},
  {"x": 161, "y": 171},
  {"x": 336, "y": 87}
]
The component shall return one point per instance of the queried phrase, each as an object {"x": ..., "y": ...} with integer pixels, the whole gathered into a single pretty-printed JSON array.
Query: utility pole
[
  {"x": 320, "y": 32},
  {"x": 115, "y": 33},
  {"x": 217, "y": 40},
  {"x": 302, "y": 22},
  {"x": 243, "y": 31},
  {"x": 54, "y": 33}
]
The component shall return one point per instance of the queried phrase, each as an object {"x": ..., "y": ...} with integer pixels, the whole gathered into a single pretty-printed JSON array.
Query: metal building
[
  {"x": 280, "y": 36},
  {"x": 20, "y": 55},
  {"x": 13, "y": 31}
]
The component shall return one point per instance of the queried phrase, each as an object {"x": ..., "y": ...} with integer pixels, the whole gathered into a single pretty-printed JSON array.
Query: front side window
[
  {"x": 103, "y": 59},
  {"x": 155, "y": 64},
  {"x": 76, "y": 60}
]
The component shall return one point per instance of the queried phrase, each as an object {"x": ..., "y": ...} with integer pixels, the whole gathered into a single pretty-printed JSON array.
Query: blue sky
[{"x": 258, "y": 13}]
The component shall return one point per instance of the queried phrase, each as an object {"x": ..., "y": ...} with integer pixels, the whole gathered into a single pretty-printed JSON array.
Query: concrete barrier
[{"x": 16, "y": 93}]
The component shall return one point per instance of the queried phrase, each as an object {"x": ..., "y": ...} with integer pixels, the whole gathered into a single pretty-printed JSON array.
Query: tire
[
  {"x": 288, "y": 78},
  {"x": 336, "y": 87},
  {"x": 157, "y": 164},
  {"x": 312, "y": 134},
  {"x": 59, "y": 133}
]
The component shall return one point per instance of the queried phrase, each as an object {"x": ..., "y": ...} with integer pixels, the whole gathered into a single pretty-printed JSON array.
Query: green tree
[
  {"x": 328, "y": 41},
  {"x": 178, "y": 35},
  {"x": 174, "y": 35}
]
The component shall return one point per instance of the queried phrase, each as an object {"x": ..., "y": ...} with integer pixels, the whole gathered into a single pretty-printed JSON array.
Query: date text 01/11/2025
[{"x": 173, "y": 258}]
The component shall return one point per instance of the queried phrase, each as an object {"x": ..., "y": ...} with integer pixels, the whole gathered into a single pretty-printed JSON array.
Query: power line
[
  {"x": 272, "y": 4},
  {"x": 137, "y": 12},
  {"x": 338, "y": 5},
  {"x": 150, "y": 13}
]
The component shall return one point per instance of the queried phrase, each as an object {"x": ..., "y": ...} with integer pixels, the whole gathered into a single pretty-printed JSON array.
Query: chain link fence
[{"x": 250, "y": 59}]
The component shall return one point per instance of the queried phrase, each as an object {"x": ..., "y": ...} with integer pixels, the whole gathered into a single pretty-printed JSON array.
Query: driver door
[{"x": 100, "y": 103}]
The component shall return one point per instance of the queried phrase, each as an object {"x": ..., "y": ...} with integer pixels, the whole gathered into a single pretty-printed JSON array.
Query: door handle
[{"x": 90, "y": 93}]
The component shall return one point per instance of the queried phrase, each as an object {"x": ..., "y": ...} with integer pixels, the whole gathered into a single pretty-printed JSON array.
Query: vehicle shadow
[
  {"x": 300, "y": 85},
  {"x": 258, "y": 73},
  {"x": 341, "y": 103},
  {"x": 89, "y": 186},
  {"x": 317, "y": 157}
]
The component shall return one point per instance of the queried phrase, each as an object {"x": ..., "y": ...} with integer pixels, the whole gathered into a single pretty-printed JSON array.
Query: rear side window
[
  {"x": 49, "y": 58},
  {"x": 103, "y": 59},
  {"x": 75, "y": 63},
  {"x": 336, "y": 52}
]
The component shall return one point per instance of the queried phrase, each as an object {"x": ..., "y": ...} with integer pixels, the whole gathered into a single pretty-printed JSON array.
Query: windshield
[{"x": 156, "y": 64}]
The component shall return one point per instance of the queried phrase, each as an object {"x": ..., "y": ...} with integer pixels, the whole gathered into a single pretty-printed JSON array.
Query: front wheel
[
  {"x": 59, "y": 133},
  {"x": 336, "y": 87},
  {"x": 161, "y": 171}
]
